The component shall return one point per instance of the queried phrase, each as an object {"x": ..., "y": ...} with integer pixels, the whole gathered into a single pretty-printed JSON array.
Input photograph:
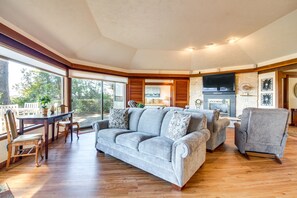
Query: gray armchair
[
  {"x": 262, "y": 131},
  {"x": 216, "y": 125}
]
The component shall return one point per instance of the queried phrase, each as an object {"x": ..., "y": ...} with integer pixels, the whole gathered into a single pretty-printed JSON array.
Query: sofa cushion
[
  {"x": 111, "y": 133},
  {"x": 178, "y": 125},
  {"x": 118, "y": 118},
  {"x": 134, "y": 116},
  {"x": 151, "y": 120},
  {"x": 132, "y": 140},
  {"x": 197, "y": 122},
  {"x": 160, "y": 147}
]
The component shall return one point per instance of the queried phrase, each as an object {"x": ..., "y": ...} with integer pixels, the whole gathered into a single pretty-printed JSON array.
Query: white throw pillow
[
  {"x": 178, "y": 125},
  {"x": 118, "y": 118}
]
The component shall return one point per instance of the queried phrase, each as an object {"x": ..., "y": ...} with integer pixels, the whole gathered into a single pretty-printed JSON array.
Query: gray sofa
[
  {"x": 262, "y": 130},
  {"x": 216, "y": 126},
  {"x": 144, "y": 145}
]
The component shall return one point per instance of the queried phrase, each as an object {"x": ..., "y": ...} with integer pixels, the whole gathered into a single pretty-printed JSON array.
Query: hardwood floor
[{"x": 76, "y": 170}]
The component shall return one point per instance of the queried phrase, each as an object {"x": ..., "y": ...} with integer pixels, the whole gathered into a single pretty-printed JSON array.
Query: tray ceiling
[{"x": 153, "y": 35}]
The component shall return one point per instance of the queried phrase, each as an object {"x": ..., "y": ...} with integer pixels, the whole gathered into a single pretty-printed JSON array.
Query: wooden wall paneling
[
  {"x": 181, "y": 93},
  {"x": 286, "y": 93},
  {"x": 280, "y": 76},
  {"x": 136, "y": 89}
]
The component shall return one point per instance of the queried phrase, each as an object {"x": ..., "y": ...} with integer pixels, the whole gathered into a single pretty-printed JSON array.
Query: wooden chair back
[
  {"x": 11, "y": 127},
  {"x": 63, "y": 108},
  {"x": 3, "y": 109}
]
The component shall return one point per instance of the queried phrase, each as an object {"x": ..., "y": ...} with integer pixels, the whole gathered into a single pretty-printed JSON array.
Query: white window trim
[{"x": 96, "y": 76}]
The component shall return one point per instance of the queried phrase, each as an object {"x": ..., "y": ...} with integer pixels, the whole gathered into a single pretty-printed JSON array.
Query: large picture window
[
  {"x": 93, "y": 99},
  {"x": 21, "y": 86}
]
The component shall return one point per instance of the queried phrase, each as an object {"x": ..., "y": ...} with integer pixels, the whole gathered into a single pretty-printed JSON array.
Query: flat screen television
[{"x": 219, "y": 83}]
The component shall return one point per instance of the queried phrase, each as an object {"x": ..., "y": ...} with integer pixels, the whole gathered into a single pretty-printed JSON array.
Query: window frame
[{"x": 60, "y": 74}]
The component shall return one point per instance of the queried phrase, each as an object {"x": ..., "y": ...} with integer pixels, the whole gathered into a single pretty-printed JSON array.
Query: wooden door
[
  {"x": 181, "y": 93},
  {"x": 135, "y": 90}
]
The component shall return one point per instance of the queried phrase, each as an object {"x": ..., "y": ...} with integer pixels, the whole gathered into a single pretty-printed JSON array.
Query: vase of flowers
[{"x": 44, "y": 101}]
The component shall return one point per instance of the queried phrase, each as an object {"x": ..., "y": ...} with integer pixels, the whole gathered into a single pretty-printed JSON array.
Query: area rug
[{"x": 5, "y": 191}]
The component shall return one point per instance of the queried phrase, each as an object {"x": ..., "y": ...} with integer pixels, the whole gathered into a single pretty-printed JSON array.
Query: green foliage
[
  {"x": 86, "y": 94},
  {"x": 44, "y": 101},
  {"x": 36, "y": 84},
  {"x": 140, "y": 105}
]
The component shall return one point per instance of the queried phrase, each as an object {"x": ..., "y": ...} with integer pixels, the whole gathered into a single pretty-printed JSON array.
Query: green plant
[
  {"x": 140, "y": 105},
  {"x": 44, "y": 100}
]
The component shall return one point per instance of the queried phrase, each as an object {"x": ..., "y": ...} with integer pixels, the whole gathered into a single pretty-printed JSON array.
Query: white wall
[
  {"x": 195, "y": 91},
  {"x": 292, "y": 97},
  {"x": 242, "y": 100},
  {"x": 273, "y": 92}
]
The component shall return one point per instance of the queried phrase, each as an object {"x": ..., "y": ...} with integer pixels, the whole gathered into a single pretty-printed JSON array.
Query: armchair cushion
[
  {"x": 118, "y": 118},
  {"x": 178, "y": 126}
]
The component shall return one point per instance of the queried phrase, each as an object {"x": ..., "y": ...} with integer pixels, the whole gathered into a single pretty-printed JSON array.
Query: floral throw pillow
[
  {"x": 118, "y": 118},
  {"x": 178, "y": 125}
]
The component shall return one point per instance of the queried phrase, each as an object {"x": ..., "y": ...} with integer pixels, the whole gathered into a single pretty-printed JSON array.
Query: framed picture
[
  {"x": 152, "y": 92},
  {"x": 267, "y": 84},
  {"x": 267, "y": 99}
]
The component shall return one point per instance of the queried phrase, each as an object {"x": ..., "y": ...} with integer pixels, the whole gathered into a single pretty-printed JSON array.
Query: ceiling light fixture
[
  {"x": 210, "y": 45},
  {"x": 232, "y": 40},
  {"x": 191, "y": 49}
]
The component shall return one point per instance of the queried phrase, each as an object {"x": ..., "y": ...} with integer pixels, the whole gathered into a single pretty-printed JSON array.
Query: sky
[{"x": 15, "y": 76}]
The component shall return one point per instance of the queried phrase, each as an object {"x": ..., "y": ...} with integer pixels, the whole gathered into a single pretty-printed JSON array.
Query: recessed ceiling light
[
  {"x": 210, "y": 45},
  {"x": 191, "y": 49},
  {"x": 232, "y": 40}
]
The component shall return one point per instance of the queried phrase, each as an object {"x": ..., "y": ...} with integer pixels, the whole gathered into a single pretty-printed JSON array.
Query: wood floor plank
[{"x": 77, "y": 170}]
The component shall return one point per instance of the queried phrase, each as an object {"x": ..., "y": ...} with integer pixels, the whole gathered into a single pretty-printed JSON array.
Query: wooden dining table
[{"x": 46, "y": 120}]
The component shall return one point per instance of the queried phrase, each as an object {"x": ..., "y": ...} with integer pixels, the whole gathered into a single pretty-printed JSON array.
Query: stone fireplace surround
[{"x": 226, "y": 102}]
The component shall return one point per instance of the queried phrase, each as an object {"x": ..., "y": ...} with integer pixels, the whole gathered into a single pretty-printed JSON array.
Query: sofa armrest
[
  {"x": 240, "y": 137},
  {"x": 221, "y": 124},
  {"x": 186, "y": 145},
  {"x": 188, "y": 155},
  {"x": 98, "y": 125}
]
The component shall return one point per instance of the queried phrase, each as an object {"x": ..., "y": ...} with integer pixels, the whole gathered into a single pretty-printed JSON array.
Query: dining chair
[
  {"x": 24, "y": 145},
  {"x": 66, "y": 125}
]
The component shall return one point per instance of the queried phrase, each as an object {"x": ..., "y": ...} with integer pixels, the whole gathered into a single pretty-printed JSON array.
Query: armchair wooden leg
[
  {"x": 57, "y": 131},
  {"x": 16, "y": 148},
  {"x": 9, "y": 149},
  {"x": 37, "y": 154},
  {"x": 41, "y": 149},
  {"x": 278, "y": 160},
  {"x": 66, "y": 132},
  {"x": 77, "y": 130}
]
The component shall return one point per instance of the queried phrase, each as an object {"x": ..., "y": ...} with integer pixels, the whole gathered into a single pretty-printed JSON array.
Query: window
[
  {"x": 21, "y": 86},
  {"x": 93, "y": 99},
  {"x": 86, "y": 101}
]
